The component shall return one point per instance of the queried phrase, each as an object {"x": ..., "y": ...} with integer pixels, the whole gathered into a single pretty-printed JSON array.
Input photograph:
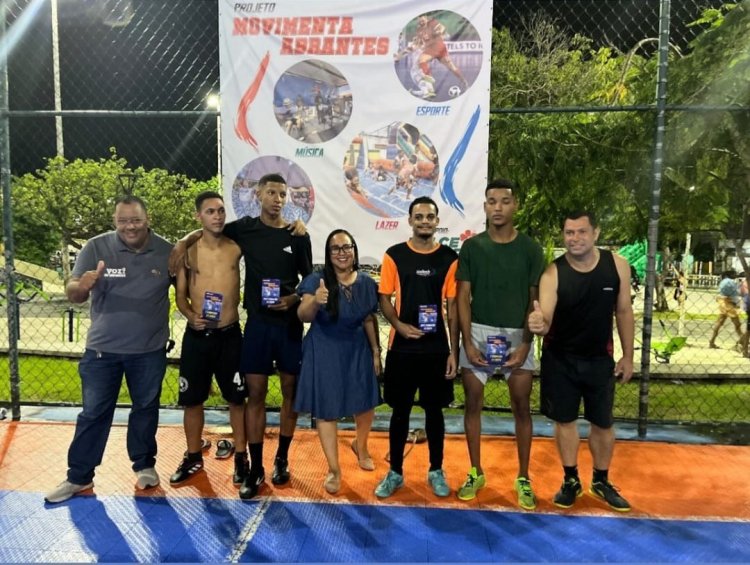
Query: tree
[
  {"x": 69, "y": 202},
  {"x": 565, "y": 161},
  {"x": 711, "y": 150}
]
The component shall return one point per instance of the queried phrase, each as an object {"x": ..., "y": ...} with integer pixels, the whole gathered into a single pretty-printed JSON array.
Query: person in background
[{"x": 729, "y": 302}]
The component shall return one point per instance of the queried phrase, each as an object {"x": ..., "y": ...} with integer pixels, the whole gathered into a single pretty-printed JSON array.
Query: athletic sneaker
[
  {"x": 390, "y": 484},
  {"x": 280, "y": 475},
  {"x": 473, "y": 484},
  {"x": 526, "y": 498},
  {"x": 64, "y": 491},
  {"x": 610, "y": 494},
  {"x": 251, "y": 485},
  {"x": 437, "y": 482},
  {"x": 185, "y": 470},
  {"x": 569, "y": 491},
  {"x": 146, "y": 478}
]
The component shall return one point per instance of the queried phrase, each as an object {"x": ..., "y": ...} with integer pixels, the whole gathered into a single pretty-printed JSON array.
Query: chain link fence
[{"x": 573, "y": 107}]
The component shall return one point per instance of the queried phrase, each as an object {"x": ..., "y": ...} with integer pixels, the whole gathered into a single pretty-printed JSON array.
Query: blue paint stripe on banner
[{"x": 447, "y": 190}]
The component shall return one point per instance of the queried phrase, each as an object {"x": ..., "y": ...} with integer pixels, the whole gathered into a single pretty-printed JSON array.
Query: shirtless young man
[{"x": 208, "y": 293}]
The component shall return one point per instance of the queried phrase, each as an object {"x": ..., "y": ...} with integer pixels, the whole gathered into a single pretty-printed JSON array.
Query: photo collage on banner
[{"x": 361, "y": 110}]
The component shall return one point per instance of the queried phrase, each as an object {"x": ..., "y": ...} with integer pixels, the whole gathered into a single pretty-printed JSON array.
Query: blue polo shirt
[{"x": 130, "y": 301}]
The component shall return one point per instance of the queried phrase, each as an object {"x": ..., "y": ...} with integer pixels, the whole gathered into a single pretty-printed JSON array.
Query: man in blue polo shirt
[{"x": 125, "y": 272}]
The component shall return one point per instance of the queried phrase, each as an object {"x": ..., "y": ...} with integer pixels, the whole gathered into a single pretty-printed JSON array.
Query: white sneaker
[
  {"x": 64, "y": 491},
  {"x": 147, "y": 478}
]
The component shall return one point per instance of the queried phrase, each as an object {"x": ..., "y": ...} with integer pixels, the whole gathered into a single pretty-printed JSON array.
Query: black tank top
[{"x": 582, "y": 323}]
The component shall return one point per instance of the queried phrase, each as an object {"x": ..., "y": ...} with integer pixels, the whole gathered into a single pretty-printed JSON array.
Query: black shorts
[
  {"x": 566, "y": 379},
  {"x": 265, "y": 344},
  {"x": 210, "y": 353},
  {"x": 407, "y": 373}
]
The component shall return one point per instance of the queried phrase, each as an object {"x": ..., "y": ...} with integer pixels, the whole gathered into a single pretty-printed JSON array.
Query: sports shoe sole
[
  {"x": 600, "y": 497},
  {"x": 472, "y": 496}
]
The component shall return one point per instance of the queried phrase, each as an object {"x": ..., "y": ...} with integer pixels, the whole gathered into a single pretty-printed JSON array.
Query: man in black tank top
[{"x": 578, "y": 295}]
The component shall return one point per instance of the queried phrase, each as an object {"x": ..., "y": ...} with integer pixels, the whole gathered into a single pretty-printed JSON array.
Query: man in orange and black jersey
[{"x": 422, "y": 355}]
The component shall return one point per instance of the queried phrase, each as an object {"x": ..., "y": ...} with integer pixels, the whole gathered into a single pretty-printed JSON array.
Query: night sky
[{"x": 159, "y": 55}]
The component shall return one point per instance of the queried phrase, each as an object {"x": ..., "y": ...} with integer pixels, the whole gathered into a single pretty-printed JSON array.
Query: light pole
[
  {"x": 686, "y": 267},
  {"x": 213, "y": 102}
]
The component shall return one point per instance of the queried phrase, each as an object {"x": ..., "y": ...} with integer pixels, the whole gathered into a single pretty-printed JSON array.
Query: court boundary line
[{"x": 249, "y": 531}]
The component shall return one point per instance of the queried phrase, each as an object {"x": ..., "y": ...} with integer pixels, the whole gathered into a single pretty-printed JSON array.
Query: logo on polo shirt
[
  {"x": 288, "y": 249},
  {"x": 120, "y": 273},
  {"x": 425, "y": 272}
]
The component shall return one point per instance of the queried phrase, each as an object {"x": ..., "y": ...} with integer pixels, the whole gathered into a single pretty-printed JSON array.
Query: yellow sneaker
[
  {"x": 471, "y": 486},
  {"x": 526, "y": 497}
]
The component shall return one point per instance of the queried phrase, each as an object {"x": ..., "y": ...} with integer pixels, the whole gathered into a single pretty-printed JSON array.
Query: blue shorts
[{"x": 267, "y": 348}]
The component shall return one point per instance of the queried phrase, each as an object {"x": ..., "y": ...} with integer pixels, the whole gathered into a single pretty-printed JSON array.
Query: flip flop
[
  {"x": 224, "y": 449},
  {"x": 205, "y": 445}
]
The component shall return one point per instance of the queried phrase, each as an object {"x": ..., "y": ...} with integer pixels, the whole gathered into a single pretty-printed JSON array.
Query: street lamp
[
  {"x": 213, "y": 102},
  {"x": 127, "y": 182}
]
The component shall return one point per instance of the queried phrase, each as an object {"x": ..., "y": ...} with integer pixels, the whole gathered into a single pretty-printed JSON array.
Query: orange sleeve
[
  {"x": 388, "y": 276},
  {"x": 449, "y": 286}
]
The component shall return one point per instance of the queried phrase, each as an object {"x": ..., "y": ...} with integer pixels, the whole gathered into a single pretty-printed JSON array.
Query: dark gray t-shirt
[{"x": 130, "y": 301}]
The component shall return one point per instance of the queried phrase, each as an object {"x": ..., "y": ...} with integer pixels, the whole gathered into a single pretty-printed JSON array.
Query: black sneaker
[
  {"x": 280, "y": 474},
  {"x": 569, "y": 491},
  {"x": 185, "y": 471},
  {"x": 241, "y": 470},
  {"x": 251, "y": 485},
  {"x": 609, "y": 494}
]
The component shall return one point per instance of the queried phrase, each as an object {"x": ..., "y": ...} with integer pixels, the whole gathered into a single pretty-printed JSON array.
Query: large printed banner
[{"x": 361, "y": 107}]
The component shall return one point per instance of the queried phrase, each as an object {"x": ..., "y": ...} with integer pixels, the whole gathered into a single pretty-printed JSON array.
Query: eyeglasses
[
  {"x": 137, "y": 222},
  {"x": 339, "y": 249}
]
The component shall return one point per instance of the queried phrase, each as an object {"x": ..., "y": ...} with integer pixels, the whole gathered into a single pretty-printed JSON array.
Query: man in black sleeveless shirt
[{"x": 578, "y": 294}]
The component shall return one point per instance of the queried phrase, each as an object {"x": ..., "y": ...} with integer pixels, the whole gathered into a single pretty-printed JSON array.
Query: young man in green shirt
[{"x": 498, "y": 278}]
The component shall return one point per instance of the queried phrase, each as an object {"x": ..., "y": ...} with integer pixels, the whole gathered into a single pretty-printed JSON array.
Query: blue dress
[{"x": 337, "y": 377}]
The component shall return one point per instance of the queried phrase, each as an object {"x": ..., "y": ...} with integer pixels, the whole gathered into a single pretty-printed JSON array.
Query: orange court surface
[{"x": 690, "y": 503}]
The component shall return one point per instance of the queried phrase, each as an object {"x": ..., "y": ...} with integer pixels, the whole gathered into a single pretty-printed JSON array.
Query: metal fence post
[
  {"x": 653, "y": 222},
  {"x": 9, "y": 274}
]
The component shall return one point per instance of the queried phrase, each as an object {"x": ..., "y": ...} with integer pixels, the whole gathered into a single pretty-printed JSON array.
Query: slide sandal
[{"x": 224, "y": 449}]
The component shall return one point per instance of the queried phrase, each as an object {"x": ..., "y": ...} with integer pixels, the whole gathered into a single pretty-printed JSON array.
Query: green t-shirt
[{"x": 500, "y": 275}]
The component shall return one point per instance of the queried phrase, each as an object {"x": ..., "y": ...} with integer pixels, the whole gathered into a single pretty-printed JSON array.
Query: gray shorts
[{"x": 479, "y": 335}]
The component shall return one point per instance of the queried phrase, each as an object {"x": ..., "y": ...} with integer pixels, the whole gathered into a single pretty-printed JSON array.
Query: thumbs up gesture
[
  {"x": 89, "y": 278},
  {"x": 536, "y": 319},
  {"x": 321, "y": 293}
]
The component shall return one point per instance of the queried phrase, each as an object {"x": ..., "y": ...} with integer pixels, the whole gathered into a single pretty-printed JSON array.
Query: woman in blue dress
[{"x": 340, "y": 353}]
